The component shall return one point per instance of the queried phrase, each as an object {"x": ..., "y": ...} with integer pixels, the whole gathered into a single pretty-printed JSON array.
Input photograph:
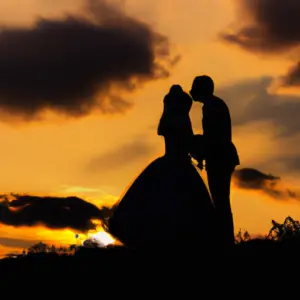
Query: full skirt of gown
[{"x": 167, "y": 204}]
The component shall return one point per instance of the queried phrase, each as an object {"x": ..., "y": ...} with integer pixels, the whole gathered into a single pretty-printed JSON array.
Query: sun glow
[{"x": 103, "y": 238}]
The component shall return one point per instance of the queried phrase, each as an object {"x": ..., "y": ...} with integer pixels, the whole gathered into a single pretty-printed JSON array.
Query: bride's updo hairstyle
[
  {"x": 177, "y": 105},
  {"x": 177, "y": 100}
]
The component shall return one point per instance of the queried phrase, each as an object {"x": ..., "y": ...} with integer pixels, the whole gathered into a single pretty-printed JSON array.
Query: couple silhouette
[{"x": 168, "y": 204}]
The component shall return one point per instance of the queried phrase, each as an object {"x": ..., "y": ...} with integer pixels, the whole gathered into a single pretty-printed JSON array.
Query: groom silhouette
[{"x": 221, "y": 156}]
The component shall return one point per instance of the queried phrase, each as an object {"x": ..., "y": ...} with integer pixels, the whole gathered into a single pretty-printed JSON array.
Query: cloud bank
[
  {"x": 269, "y": 27},
  {"x": 52, "y": 212},
  {"x": 77, "y": 64},
  {"x": 252, "y": 179}
]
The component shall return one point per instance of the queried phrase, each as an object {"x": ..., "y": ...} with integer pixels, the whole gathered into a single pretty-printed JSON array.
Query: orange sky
[{"x": 55, "y": 156}]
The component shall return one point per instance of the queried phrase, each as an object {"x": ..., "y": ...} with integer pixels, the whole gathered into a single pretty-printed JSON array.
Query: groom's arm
[
  {"x": 197, "y": 149},
  {"x": 216, "y": 126}
]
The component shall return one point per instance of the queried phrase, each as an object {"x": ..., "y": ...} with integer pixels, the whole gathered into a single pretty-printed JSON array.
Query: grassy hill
[{"x": 87, "y": 264}]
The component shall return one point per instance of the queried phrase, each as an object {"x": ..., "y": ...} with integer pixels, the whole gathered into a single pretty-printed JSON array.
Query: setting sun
[{"x": 103, "y": 238}]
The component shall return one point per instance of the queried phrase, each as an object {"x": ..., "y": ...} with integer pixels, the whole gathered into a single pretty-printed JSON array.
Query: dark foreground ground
[{"x": 119, "y": 264}]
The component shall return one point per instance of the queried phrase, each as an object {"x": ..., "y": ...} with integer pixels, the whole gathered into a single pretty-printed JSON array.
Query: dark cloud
[
  {"x": 16, "y": 243},
  {"x": 253, "y": 179},
  {"x": 76, "y": 64},
  {"x": 123, "y": 155},
  {"x": 51, "y": 212},
  {"x": 270, "y": 27},
  {"x": 267, "y": 25},
  {"x": 250, "y": 101}
]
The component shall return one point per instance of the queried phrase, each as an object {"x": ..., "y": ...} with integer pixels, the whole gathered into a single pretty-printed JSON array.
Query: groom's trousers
[{"x": 219, "y": 178}]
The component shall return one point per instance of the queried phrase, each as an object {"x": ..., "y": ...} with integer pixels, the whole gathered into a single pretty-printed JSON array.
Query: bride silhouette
[{"x": 168, "y": 203}]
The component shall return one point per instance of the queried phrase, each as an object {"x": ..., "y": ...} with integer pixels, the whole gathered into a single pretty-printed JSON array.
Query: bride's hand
[{"x": 200, "y": 165}]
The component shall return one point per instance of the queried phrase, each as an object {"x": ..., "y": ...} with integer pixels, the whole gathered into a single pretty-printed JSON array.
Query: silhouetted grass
[
  {"x": 116, "y": 259},
  {"x": 119, "y": 263}
]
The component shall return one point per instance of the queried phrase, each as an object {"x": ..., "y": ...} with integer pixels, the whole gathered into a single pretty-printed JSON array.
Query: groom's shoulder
[
  {"x": 217, "y": 104},
  {"x": 220, "y": 103}
]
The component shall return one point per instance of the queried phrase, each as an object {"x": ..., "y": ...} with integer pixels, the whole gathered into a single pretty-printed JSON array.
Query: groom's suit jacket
[{"x": 217, "y": 133}]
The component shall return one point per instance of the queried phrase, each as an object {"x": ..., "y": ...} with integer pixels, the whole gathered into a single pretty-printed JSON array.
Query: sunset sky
[{"x": 56, "y": 140}]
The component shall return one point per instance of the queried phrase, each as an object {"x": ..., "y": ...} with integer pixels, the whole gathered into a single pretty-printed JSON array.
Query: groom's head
[{"x": 202, "y": 88}]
